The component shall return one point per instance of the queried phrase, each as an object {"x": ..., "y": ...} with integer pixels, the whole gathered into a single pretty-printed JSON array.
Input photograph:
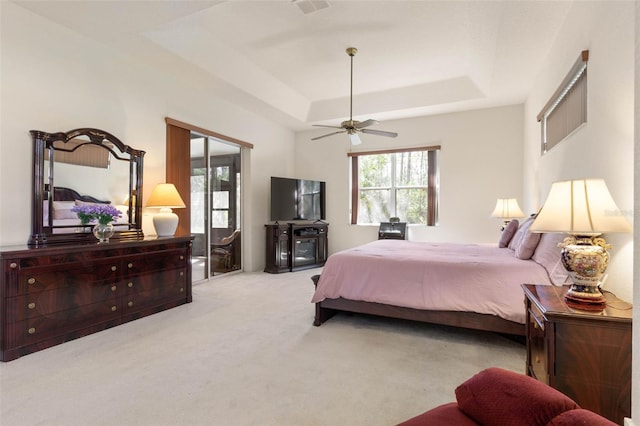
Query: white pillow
[{"x": 62, "y": 210}]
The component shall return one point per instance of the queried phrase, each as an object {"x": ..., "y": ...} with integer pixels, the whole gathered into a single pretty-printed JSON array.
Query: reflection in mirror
[{"x": 79, "y": 167}]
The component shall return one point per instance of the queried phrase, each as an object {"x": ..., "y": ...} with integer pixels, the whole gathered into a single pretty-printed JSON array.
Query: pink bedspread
[{"x": 433, "y": 276}]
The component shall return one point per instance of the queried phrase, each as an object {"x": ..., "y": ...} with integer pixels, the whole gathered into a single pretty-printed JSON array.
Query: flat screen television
[{"x": 297, "y": 199}]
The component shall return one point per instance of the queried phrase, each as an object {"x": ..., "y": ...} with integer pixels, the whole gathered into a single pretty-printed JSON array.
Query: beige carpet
[{"x": 245, "y": 352}]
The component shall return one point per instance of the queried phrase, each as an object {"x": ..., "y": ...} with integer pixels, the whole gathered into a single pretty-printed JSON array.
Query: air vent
[{"x": 310, "y": 6}]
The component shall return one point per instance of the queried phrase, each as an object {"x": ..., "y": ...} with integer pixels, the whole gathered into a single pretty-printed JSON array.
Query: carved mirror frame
[{"x": 43, "y": 230}]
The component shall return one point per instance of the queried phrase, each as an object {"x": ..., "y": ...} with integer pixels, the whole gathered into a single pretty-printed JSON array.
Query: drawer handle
[
  {"x": 114, "y": 268},
  {"x": 31, "y": 280},
  {"x": 130, "y": 265},
  {"x": 181, "y": 289},
  {"x": 32, "y": 330},
  {"x": 31, "y": 305},
  {"x": 537, "y": 360},
  {"x": 535, "y": 325},
  {"x": 181, "y": 257},
  {"x": 114, "y": 308},
  {"x": 129, "y": 284},
  {"x": 13, "y": 265},
  {"x": 130, "y": 304},
  {"x": 114, "y": 288}
]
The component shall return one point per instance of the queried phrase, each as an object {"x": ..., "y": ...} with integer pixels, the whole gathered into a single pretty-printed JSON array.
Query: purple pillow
[
  {"x": 527, "y": 246},
  {"x": 508, "y": 233},
  {"x": 500, "y": 397},
  {"x": 522, "y": 229},
  {"x": 547, "y": 254}
]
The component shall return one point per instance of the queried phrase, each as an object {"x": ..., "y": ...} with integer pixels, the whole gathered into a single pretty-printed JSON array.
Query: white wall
[
  {"x": 56, "y": 80},
  {"x": 480, "y": 161},
  {"x": 603, "y": 148}
]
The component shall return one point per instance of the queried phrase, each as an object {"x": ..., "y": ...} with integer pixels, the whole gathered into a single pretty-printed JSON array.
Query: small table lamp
[
  {"x": 507, "y": 209},
  {"x": 166, "y": 197},
  {"x": 584, "y": 209}
]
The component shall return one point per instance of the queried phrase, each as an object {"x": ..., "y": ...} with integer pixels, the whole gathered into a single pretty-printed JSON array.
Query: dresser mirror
[{"x": 80, "y": 167}]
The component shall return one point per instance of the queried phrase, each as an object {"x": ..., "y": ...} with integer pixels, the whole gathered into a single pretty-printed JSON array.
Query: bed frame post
[{"x": 322, "y": 314}]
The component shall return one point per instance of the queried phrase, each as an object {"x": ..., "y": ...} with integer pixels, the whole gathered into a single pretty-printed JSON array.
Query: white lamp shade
[
  {"x": 165, "y": 196},
  {"x": 580, "y": 207},
  {"x": 507, "y": 208}
]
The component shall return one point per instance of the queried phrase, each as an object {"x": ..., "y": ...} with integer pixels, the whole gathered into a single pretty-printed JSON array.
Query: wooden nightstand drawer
[{"x": 536, "y": 352}]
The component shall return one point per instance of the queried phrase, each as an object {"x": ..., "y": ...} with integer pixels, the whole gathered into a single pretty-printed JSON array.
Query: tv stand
[{"x": 296, "y": 246}]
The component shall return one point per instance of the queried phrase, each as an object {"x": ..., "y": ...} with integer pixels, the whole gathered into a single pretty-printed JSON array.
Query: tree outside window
[{"x": 395, "y": 184}]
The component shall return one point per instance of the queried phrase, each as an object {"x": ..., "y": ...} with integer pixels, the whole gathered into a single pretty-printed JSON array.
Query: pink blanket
[{"x": 432, "y": 276}]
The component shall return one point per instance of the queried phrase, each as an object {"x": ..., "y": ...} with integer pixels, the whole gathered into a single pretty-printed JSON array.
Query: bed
[{"x": 475, "y": 286}]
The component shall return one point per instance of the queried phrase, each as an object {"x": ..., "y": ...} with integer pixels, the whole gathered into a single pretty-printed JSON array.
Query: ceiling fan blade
[
  {"x": 380, "y": 133},
  {"x": 366, "y": 123},
  {"x": 324, "y": 136},
  {"x": 322, "y": 125}
]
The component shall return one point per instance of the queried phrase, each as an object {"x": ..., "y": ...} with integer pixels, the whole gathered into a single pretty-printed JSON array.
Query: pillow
[
  {"x": 62, "y": 210},
  {"x": 45, "y": 212},
  {"x": 579, "y": 416},
  {"x": 524, "y": 227},
  {"x": 508, "y": 233},
  {"x": 85, "y": 203},
  {"x": 504, "y": 398},
  {"x": 527, "y": 245},
  {"x": 547, "y": 255}
]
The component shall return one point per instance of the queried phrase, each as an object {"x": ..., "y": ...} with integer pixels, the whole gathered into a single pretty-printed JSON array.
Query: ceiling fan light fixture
[{"x": 354, "y": 138}]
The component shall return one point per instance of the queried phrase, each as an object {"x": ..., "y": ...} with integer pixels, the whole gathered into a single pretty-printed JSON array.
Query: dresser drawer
[
  {"x": 154, "y": 289},
  {"x": 35, "y": 329},
  {"x": 157, "y": 261},
  {"x": 35, "y": 280},
  {"x": 47, "y": 303}
]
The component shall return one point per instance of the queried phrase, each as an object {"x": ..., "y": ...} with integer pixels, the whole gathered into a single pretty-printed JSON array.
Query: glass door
[{"x": 215, "y": 206}]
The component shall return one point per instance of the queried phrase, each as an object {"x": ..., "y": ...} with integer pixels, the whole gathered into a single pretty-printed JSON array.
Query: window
[
  {"x": 567, "y": 108},
  {"x": 400, "y": 183}
]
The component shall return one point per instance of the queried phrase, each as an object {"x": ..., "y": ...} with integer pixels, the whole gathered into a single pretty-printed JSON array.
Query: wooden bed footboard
[{"x": 329, "y": 307}]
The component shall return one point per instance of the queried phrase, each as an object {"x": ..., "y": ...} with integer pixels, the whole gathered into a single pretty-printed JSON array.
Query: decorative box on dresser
[
  {"x": 584, "y": 354},
  {"x": 54, "y": 294}
]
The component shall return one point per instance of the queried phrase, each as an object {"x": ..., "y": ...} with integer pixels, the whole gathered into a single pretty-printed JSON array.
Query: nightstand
[{"x": 584, "y": 354}]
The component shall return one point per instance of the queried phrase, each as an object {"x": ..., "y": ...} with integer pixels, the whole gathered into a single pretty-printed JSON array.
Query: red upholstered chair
[{"x": 504, "y": 398}]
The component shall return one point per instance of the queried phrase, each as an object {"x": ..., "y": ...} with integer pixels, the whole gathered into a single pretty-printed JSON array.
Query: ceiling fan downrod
[{"x": 351, "y": 51}]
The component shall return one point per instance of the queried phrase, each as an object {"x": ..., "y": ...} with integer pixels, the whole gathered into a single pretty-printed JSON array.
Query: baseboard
[{"x": 628, "y": 421}]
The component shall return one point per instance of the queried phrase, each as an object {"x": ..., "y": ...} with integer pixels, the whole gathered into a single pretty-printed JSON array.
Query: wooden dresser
[
  {"x": 54, "y": 294},
  {"x": 584, "y": 354}
]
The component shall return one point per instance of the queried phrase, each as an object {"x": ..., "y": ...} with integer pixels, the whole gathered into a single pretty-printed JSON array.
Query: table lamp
[
  {"x": 584, "y": 209},
  {"x": 507, "y": 209},
  {"x": 166, "y": 197}
]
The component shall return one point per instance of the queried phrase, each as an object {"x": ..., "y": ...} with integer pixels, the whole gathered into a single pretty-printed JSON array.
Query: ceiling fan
[{"x": 353, "y": 127}]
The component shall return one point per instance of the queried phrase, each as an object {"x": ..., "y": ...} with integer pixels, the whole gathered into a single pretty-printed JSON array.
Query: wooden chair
[{"x": 223, "y": 251}]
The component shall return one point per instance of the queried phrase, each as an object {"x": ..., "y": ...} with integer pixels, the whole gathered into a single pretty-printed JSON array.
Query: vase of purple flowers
[{"x": 103, "y": 214}]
